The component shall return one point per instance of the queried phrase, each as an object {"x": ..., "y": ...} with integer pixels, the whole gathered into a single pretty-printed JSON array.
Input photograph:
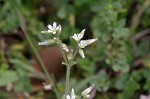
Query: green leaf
[
  {"x": 23, "y": 85},
  {"x": 116, "y": 67},
  {"x": 130, "y": 88},
  {"x": 8, "y": 77},
  {"x": 121, "y": 33},
  {"x": 121, "y": 23},
  {"x": 120, "y": 81},
  {"x": 86, "y": 66},
  {"x": 22, "y": 64},
  {"x": 102, "y": 81}
]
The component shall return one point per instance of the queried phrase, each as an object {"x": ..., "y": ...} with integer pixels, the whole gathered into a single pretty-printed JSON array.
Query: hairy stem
[{"x": 67, "y": 87}]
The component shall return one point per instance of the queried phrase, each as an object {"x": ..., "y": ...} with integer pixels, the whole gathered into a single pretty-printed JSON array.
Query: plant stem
[
  {"x": 136, "y": 18},
  {"x": 2, "y": 52},
  {"x": 63, "y": 53},
  {"x": 37, "y": 56},
  {"x": 67, "y": 67},
  {"x": 67, "y": 80},
  {"x": 23, "y": 26},
  {"x": 50, "y": 80}
]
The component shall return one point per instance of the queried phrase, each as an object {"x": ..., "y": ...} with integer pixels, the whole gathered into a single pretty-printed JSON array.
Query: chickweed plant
[{"x": 69, "y": 57}]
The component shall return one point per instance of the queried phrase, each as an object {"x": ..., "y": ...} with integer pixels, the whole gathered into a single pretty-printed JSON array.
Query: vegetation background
[{"x": 118, "y": 63}]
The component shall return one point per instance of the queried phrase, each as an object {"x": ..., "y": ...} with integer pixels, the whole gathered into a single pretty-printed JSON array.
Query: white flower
[
  {"x": 72, "y": 96},
  {"x": 78, "y": 37},
  {"x": 82, "y": 43},
  {"x": 47, "y": 86},
  {"x": 53, "y": 29},
  {"x": 86, "y": 92}
]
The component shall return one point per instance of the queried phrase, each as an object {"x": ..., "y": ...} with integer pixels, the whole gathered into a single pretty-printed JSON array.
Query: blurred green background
[{"x": 118, "y": 63}]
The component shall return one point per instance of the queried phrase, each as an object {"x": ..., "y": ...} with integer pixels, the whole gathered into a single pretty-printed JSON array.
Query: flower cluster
[
  {"x": 55, "y": 30},
  {"x": 82, "y": 43},
  {"x": 85, "y": 94}
]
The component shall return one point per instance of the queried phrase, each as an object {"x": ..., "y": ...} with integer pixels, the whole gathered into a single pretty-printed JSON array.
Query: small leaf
[
  {"x": 48, "y": 42},
  {"x": 64, "y": 63},
  {"x": 72, "y": 63}
]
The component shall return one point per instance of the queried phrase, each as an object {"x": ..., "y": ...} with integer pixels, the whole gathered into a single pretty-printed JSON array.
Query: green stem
[
  {"x": 42, "y": 65},
  {"x": 23, "y": 26},
  {"x": 136, "y": 18},
  {"x": 38, "y": 57},
  {"x": 68, "y": 67},
  {"x": 67, "y": 80},
  {"x": 2, "y": 52}
]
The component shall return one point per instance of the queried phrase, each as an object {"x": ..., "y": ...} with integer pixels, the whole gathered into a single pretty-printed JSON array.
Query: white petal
[
  {"x": 54, "y": 32},
  {"x": 82, "y": 43},
  {"x": 77, "y": 37},
  {"x": 44, "y": 31},
  {"x": 64, "y": 46},
  {"x": 68, "y": 97},
  {"x": 91, "y": 40},
  {"x": 54, "y": 25},
  {"x": 88, "y": 90},
  {"x": 49, "y": 31},
  {"x": 81, "y": 53},
  {"x": 58, "y": 28},
  {"x": 72, "y": 94},
  {"x": 50, "y": 27},
  {"x": 82, "y": 33},
  {"x": 74, "y": 36}
]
